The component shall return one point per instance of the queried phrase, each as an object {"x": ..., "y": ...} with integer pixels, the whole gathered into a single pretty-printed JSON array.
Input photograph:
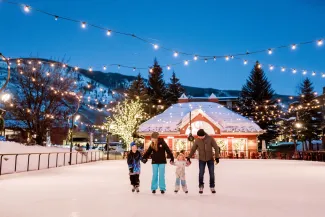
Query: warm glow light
[
  {"x": 205, "y": 60},
  {"x": 64, "y": 65},
  {"x": 259, "y": 66},
  {"x": 227, "y": 58},
  {"x": 83, "y": 25},
  {"x": 5, "y": 97},
  {"x": 214, "y": 58},
  {"x": 77, "y": 117},
  {"x": 271, "y": 67},
  {"x": 294, "y": 71},
  {"x": 283, "y": 69},
  {"x": 90, "y": 69},
  {"x": 186, "y": 62},
  {"x": 155, "y": 46},
  {"x": 293, "y": 47},
  {"x": 195, "y": 57},
  {"x": 313, "y": 73},
  {"x": 150, "y": 70},
  {"x": 52, "y": 65},
  {"x": 270, "y": 51},
  {"x": 27, "y": 8},
  {"x": 245, "y": 62},
  {"x": 323, "y": 75},
  {"x": 56, "y": 18},
  {"x": 76, "y": 68},
  {"x": 168, "y": 67},
  {"x": 175, "y": 54},
  {"x": 109, "y": 32},
  {"x": 134, "y": 69},
  {"x": 298, "y": 125},
  {"x": 104, "y": 67},
  {"x": 320, "y": 42},
  {"x": 304, "y": 72}
]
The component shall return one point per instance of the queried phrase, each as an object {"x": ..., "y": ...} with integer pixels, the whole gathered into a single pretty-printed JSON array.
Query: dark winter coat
[
  {"x": 159, "y": 157},
  {"x": 133, "y": 161},
  {"x": 205, "y": 146}
]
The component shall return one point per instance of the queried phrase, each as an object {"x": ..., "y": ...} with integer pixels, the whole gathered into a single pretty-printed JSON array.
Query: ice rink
[{"x": 245, "y": 188}]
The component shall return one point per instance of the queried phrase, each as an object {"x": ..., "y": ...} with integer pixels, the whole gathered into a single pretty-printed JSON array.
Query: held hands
[
  {"x": 188, "y": 160},
  {"x": 144, "y": 160},
  {"x": 217, "y": 161}
]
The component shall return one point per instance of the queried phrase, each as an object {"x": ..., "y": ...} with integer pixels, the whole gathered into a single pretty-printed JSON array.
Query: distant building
[{"x": 233, "y": 133}]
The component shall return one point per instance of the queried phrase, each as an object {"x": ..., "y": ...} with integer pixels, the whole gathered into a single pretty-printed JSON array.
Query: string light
[
  {"x": 271, "y": 67},
  {"x": 227, "y": 58},
  {"x": 56, "y": 17},
  {"x": 186, "y": 62},
  {"x": 259, "y": 66},
  {"x": 195, "y": 57},
  {"x": 214, "y": 58},
  {"x": 320, "y": 42},
  {"x": 283, "y": 69},
  {"x": 155, "y": 46},
  {"x": 76, "y": 68},
  {"x": 52, "y": 64},
  {"x": 313, "y": 73},
  {"x": 83, "y": 25},
  {"x": 245, "y": 62},
  {"x": 293, "y": 47},
  {"x": 27, "y": 8},
  {"x": 109, "y": 32},
  {"x": 294, "y": 71},
  {"x": 270, "y": 51},
  {"x": 205, "y": 60},
  {"x": 104, "y": 68},
  {"x": 150, "y": 70},
  {"x": 90, "y": 69},
  {"x": 304, "y": 72},
  {"x": 134, "y": 69},
  {"x": 175, "y": 54}
]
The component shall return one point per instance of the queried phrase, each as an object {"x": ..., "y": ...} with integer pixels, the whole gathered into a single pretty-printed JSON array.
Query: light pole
[
  {"x": 298, "y": 126},
  {"x": 73, "y": 117}
]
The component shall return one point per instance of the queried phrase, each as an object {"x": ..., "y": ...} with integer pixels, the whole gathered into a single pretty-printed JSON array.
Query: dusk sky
[{"x": 204, "y": 27}]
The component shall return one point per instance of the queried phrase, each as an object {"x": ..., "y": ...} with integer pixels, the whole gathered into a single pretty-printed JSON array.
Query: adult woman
[{"x": 158, "y": 149}]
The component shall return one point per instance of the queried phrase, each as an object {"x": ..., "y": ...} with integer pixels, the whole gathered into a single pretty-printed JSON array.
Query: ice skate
[
  {"x": 133, "y": 189},
  {"x": 176, "y": 191},
  {"x": 201, "y": 190},
  {"x": 213, "y": 191},
  {"x": 137, "y": 189},
  {"x": 153, "y": 191},
  {"x": 162, "y": 192}
]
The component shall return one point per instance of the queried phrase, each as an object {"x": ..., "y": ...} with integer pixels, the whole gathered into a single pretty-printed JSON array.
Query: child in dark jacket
[{"x": 133, "y": 161}]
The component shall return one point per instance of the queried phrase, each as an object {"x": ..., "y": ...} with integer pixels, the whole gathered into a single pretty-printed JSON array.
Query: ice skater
[
  {"x": 204, "y": 144},
  {"x": 133, "y": 161},
  {"x": 157, "y": 150},
  {"x": 180, "y": 164}
]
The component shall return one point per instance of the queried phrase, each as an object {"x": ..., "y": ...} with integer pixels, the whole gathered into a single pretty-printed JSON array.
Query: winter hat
[
  {"x": 132, "y": 144},
  {"x": 200, "y": 132},
  {"x": 155, "y": 135}
]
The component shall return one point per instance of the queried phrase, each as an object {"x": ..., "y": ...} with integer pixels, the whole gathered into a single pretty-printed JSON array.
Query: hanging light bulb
[
  {"x": 245, "y": 62},
  {"x": 83, "y": 25},
  {"x": 313, "y": 73},
  {"x": 175, "y": 54},
  {"x": 134, "y": 69},
  {"x": 232, "y": 57},
  {"x": 104, "y": 68},
  {"x": 119, "y": 66},
  {"x": 214, "y": 58},
  {"x": 293, "y": 47},
  {"x": 304, "y": 72},
  {"x": 155, "y": 46},
  {"x": 90, "y": 69},
  {"x": 186, "y": 62},
  {"x": 109, "y": 32},
  {"x": 64, "y": 65},
  {"x": 320, "y": 42},
  {"x": 52, "y": 64},
  {"x": 39, "y": 63},
  {"x": 205, "y": 60},
  {"x": 150, "y": 70},
  {"x": 323, "y": 75},
  {"x": 27, "y": 8},
  {"x": 76, "y": 68},
  {"x": 227, "y": 58},
  {"x": 271, "y": 67},
  {"x": 168, "y": 67},
  {"x": 56, "y": 18},
  {"x": 269, "y": 51},
  {"x": 195, "y": 57},
  {"x": 294, "y": 71},
  {"x": 259, "y": 66},
  {"x": 283, "y": 69}
]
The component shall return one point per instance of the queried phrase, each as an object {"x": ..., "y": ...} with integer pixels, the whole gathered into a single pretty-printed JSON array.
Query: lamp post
[
  {"x": 298, "y": 126},
  {"x": 76, "y": 118}
]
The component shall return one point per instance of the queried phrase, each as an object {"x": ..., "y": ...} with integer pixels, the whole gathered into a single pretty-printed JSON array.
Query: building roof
[{"x": 177, "y": 116}]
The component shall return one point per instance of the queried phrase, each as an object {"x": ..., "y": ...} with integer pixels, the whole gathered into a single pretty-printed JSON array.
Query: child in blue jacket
[{"x": 133, "y": 161}]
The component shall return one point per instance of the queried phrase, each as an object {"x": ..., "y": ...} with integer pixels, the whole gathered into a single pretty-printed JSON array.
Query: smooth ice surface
[{"x": 245, "y": 188}]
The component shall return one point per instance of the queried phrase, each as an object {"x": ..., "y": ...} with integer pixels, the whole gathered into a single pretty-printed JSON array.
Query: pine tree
[
  {"x": 156, "y": 89},
  {"x": 175, "y": 90},
  {"x": 258, "y": 104},
  {"x": 308, "y": 113},
  {"x": 138, "y": 90}
]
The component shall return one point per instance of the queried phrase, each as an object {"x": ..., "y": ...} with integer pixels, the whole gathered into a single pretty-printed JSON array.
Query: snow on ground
[
  {"x": 8, "y": 161},
  {"x": 245, "y": 188}
]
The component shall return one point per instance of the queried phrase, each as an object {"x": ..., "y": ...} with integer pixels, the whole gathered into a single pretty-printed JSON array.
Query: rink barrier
[{"x": 93, "y": 157}]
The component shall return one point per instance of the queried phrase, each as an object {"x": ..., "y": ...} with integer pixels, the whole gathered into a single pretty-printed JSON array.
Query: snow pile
[
  {"x": 245, "y": 188},
  {"x": 176, "y": 116},
  {"x": 59, "y": 157}
]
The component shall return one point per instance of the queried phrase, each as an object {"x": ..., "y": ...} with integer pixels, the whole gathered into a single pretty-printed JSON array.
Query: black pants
[{"x": 135, "y": 180}]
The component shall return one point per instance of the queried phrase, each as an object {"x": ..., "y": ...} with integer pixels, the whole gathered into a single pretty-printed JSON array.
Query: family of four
[{"x": 157, "y": 150}]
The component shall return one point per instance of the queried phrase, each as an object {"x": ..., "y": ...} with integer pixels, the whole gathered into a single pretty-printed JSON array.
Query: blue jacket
[{"x": 133, "y": 161}]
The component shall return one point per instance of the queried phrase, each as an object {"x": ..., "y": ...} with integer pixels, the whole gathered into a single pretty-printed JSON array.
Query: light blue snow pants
[{"x": 158, "y": 173}]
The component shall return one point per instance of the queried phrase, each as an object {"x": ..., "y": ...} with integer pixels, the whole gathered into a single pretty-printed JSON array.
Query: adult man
[{"x": 204, "y": 144}]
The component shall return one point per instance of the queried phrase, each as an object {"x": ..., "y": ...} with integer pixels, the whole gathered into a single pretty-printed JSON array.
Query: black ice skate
[
  {"x": 137, "y": 189},
  {"x": 162, "y": 192},
  {"x": 213, "y": 191},
  {"x": 133, "y": 189},
  {"x": 154, "y": 191},
  {"x": 201, "y": 190},
  {"x": 176, "y": 191}
]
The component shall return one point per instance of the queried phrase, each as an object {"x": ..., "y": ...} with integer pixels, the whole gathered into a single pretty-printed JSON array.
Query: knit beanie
[
  {"x": 200, "y": 132},
  {"x": 132, "y": 144},
  {"x": 155, "y": 135}
]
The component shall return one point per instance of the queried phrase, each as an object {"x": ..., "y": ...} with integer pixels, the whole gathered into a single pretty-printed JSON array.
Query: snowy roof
[{"x": 177, "y": 116}]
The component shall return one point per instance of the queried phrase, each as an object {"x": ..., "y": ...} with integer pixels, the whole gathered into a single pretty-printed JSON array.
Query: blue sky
[{"x": 210, "y": 27}]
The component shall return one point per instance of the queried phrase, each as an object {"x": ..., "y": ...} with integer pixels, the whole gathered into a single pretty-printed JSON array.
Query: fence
[{"x": 23, "y": 162}]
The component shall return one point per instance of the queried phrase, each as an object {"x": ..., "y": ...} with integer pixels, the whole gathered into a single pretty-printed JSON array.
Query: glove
[
  {"x": 188, "y": 159},
  {"x": 131, "y": 169},
  {"x": 144, "y": 160},
  {"x": 217, "y": 160}
]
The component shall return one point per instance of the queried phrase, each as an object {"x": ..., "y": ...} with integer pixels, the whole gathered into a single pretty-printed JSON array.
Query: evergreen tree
[
  {"x": 156, "y": 89},
  {"x": 138, "y": 90},
  {"x": 309, "y": 116},
  {"x": 258, "y": 104},
  {"x": 175, "y": 90}
]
